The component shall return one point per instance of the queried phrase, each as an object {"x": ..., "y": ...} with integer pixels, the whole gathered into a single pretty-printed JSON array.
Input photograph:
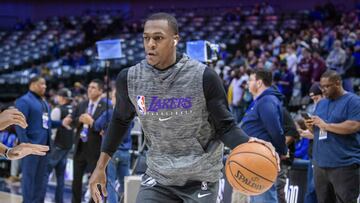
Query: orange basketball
[{"x": 251, "y": 168}]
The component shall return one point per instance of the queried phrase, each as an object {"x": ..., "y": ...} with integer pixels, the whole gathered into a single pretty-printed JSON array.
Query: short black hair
[
  {"x": 172, "y": 22},
  {"x": 99, "y": 82},
  {"x": 332, "y": 75},
  {"x": 35, "y": 79},
  {"x": 264, "y": 75}
]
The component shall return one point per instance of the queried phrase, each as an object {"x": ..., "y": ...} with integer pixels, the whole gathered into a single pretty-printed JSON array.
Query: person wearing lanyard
[
  {"x": 87, "y": 140},
  {"x": 336, "y": 146},
  {"x": 36, "y": 111}
]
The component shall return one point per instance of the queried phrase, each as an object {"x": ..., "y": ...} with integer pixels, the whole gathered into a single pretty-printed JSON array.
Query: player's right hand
[{"x": 98, "y": 178}]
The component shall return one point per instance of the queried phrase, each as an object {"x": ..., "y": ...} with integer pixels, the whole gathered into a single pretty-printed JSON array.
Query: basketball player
[
  {"x": 13, "y": 116},
  {"x": 183, "y": 109}
]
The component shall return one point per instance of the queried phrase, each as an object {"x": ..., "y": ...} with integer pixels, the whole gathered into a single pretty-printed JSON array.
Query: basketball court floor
[{"x": 10, "y": 192}]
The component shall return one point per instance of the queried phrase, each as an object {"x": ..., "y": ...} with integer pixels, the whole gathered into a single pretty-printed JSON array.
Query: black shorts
[{"x": 153, "y": 192}]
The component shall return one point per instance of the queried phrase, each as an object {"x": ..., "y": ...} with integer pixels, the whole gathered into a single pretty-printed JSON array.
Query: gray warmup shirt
[{"x": 183, "y": 134}]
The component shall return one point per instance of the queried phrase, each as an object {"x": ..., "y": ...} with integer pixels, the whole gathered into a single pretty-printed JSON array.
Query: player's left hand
[
  {"x": 25, "y": 149},
  {"x": 268, "y": 145}
]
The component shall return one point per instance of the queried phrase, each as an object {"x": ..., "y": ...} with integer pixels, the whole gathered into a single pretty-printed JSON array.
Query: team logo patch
[{"x": 140, "y": 100}]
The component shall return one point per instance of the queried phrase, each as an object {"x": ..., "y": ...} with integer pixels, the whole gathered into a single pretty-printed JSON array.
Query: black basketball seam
[
  {"x": 257, "y": 154},
  {"x": 251, "y": 171},
  {"x": 239, "y": 183}
]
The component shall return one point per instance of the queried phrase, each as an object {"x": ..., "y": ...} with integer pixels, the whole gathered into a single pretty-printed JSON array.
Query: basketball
[{"x": 251, "y": 168}]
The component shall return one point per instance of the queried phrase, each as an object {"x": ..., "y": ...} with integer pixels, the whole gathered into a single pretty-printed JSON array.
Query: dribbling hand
[
  {"x": 97, "y": 185},
  {"x": 268, "y": 145}
]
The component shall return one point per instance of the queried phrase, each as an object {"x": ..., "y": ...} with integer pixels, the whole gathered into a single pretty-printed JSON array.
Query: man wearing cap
[
  {"x": 315, "y": 94},
  {"x": 62, "y": 143}
]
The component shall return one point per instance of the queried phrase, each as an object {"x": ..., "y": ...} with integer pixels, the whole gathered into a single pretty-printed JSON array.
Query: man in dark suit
[{"x": 87, "y": 140}]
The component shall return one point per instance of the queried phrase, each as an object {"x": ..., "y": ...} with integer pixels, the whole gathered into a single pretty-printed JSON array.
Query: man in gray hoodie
[{"x": 183, "y": 109}]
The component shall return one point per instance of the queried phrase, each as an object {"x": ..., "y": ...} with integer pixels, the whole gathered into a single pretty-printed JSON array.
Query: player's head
[
  {"x": 331, "y": 84},
  {"x": 37, "y": 84},
  {"x": 95, "y": 89},
  {"x": 160, "y": 36},
  {"x": 259, "y": 80}
]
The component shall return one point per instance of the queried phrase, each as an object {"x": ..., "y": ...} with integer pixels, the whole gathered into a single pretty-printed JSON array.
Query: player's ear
[{"x": 176, "y": 40}]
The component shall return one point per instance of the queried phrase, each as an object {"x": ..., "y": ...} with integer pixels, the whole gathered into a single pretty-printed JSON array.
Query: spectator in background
[
  {"x": 285, "y": 82},
  {"x": 239, "y": 59},
  {"x": 119, "y": 164},
  {"x": 68, "y": 60},
  {"x": 62, "y": 144},
  {"x": 264, "y": 120},
  {"x": 276, "y": 43},
  {"x": 301, "y": 149},
  {"x": 349, "y": 67},
  {"x": 78, "y": 89},
  {"x": 291, "y": 58},
  {"x": 336, "y": 127},
  {"x": 87, "y": 140},
  {"x": 356, "y": 55},
  {"x": 315, "y": 94},
  {"x": 35, "y": 70},
  {"x": 252, "y": 59},
  {"x": 36, "y": 111},
  {"x": 336, "y": 59},
  {"x": 305, "y": 69},
  {"x": 319, "y": 66},
  {"x": 237, "y": 95}
]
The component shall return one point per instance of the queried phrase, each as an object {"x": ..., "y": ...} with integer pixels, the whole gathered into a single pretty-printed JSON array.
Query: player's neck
[{"x": 167, "y": 64}]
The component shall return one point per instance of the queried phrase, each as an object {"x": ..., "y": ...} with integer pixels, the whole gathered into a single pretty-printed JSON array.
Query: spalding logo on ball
[{"x": 251, "y": 168}]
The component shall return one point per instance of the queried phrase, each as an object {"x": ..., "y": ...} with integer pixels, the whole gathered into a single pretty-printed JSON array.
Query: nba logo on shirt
[{"x": 141, "y": 104}]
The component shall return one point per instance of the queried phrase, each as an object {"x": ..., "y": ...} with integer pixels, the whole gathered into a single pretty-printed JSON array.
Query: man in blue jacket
[
  {"x": 36, "y": 111},
  {"x": 263, "y": 120}
]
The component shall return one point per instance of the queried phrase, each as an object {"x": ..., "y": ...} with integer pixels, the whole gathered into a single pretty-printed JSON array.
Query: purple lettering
[
  {"x": 153, "y": 105},
  {"x": 186, "y": 104},
  {"x": 166, "y": 104}
]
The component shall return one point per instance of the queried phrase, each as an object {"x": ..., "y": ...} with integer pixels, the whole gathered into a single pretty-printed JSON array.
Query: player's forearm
[
  {"x": 234, "y": 137},
  {"x": 344, "y": 128},
  {"x": 103, "y": 160}
]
